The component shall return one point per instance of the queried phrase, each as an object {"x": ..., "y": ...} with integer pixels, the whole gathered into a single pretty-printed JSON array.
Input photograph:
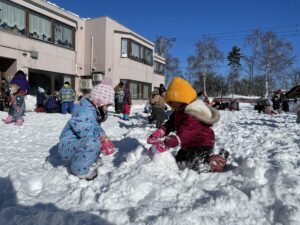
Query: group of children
[
  {"x": 62, "y": 101},
  {"x": 189, "y": 126}
]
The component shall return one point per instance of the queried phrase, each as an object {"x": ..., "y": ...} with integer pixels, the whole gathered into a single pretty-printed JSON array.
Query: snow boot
[
  {"x": 8, "y": 120},
  {"x": 91, "y": 175},
  {"x": 19, "y": 122}
]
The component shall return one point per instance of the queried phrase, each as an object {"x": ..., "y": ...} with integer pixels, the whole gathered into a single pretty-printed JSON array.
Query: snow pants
[
  {"x": 194, "y": 158},
  {"x": 82, "y": 153}
]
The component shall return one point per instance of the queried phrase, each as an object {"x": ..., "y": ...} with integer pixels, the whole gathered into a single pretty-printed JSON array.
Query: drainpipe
[{"x": 92, "y": 53}]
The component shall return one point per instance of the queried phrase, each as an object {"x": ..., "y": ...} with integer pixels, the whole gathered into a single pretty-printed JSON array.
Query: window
[
  {"x": 12, "y": 17},
  {"x": 63, "y": 35},
  {"x": 159, "y": 68},
  {"x": 124, "y": 47},
  {"x": 148, "y": 56},
  {"x": 139, "y": 90},
  {"x": 39, "y": 27},
  {"x": 135, "y": 50}
]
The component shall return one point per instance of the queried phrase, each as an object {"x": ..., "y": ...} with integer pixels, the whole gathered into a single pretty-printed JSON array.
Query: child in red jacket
[{"x": 191, "y": 121}]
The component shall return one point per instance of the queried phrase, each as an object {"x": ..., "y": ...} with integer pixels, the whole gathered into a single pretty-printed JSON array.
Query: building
[{"x": 53, "y": 46}]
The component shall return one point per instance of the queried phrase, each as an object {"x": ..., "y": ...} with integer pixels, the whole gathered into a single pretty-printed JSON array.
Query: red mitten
[
  {"x": 155, "y": 136},
  {"x": 107, "y": 147},
  {"x": 157, "y": 147},
  {"x": 172, "y": 141},
  {"x": 217, "y": 163}
]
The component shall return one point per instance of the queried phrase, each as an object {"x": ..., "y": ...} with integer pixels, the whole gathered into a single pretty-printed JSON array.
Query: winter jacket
[
  {"x": 158, "y": 101},
  {"x": 17, "y": 106},
  {"x": 52, "y": 104},
  {"x": 127, "y": 97},
  {"x": 41, "y": 99},
  {"x": 193, "y": 125},
  {"x": 80, "y": 139},
  {"x": 20, "y": 80},
  {"x": 67, "y": 94}
]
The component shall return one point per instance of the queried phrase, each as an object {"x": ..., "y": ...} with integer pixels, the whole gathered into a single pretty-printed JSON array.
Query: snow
[{"x": 260, "y": 184}]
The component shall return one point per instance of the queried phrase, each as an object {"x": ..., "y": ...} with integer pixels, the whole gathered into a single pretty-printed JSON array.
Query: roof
[{"x": 294, "y": 92}]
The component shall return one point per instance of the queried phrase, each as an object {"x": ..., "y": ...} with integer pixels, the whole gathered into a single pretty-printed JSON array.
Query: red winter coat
[{"x": 193, "y": 125}]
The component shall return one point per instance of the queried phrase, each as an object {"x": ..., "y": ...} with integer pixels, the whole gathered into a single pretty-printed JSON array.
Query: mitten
[
  {"x": 155, "y": 136},
  {"x": 157, "y": 147},
  {"x": 217, "y": 163},
  {"x": 172, "y": 141},
  {"x": 107, "y": 147}
]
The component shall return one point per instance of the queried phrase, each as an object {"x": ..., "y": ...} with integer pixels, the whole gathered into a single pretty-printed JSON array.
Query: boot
[
  {"x": 8, "y": 119},
  {"x": 19, "y": 122},
  {"x": 91, "y": 175},
  {"x": 224, "y": 153}
]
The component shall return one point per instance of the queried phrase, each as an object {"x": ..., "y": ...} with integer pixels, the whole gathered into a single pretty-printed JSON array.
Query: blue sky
[{"x": 188, "y": 20}]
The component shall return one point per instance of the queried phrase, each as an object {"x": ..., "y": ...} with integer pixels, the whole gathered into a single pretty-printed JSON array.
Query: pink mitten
[
  {"x": 155, "y": 136},
  {"x": 217, "y": 163},
  {"x": 157, "y": 147},
  {"x": 107, "y": 147}
]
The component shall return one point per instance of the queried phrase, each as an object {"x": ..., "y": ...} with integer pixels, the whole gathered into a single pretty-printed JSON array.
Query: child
[
  {"x": 126, "y": 101},
  {"x": 158, "y": 108},
  {"x": 67, "y": 97},
  {"x": 16, "y": 106},
  {"x": 40, "y": 100},
  {"x": 119, "y": 95},
  {"x": 191, "y": 120},
  {"x": 82, "y": 139}
]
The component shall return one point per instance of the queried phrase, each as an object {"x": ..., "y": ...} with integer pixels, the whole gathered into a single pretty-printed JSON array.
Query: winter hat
[
  {"x": 41, "y": 90},
  {"x": 103, "y": 93},
  {"x": 181, "y": 91},
  {"x": 13, "y": 88}
]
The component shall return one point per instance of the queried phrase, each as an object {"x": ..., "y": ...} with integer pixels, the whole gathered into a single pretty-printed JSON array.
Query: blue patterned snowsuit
[{"x": 79, "y": 140}]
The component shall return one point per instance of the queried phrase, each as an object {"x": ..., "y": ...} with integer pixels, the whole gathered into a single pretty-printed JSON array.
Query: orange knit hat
[{"x": 181, "y": 91}]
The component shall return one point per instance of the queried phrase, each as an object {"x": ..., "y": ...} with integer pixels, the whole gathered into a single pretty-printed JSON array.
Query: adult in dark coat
[
  {"x": 119, "y": 95},
  {"x": 20, "y": 80},
  {"x": 161, "y": 89}
]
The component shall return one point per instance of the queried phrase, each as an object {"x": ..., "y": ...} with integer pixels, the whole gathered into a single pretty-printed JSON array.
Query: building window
[
  {"x": 149, "y": 56},
  {"x": 139, "y": 90},
  {"x": 63, "y": 35},
  {"x": 124, "y": 47},
  {"x": 12, "y": 17},
  {"x": 135, "y": 50},
  {"x": 39, "y": 27},
  {"x": 159, "y": 68}
]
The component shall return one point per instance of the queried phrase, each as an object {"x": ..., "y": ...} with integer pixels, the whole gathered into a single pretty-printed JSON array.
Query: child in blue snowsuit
[
  {"x": 82, "y": 139},
  {"x": 67, "y": 97}
]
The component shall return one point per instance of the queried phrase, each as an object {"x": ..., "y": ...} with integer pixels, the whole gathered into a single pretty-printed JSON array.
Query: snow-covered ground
[{"x": 260, "y": 184}]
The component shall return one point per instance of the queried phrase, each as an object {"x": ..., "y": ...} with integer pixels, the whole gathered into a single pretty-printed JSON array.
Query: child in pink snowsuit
[{"x": 16, "y": 106}]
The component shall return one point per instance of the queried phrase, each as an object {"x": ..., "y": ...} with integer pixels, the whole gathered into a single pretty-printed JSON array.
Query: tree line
[{"x": 267, "y": 65}]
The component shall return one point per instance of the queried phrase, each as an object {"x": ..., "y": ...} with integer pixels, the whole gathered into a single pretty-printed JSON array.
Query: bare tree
[
  {"x": 295, "y": 77},
  {"x": 206, "y": 57},
  {"x": 162, "y": 47},
  {"x": 274, "y": 56}
]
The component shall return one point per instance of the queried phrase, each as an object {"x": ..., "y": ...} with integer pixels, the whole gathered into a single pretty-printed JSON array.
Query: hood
[{"x": 203, "y": 113}]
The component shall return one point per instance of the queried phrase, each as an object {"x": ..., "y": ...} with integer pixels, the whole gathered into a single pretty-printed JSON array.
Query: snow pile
[{"x": 260, "y": 184}]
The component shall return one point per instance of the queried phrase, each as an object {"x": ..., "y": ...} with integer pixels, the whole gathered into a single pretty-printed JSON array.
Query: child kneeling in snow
[
  {"x": 191, "y": 120},
  {"x": 16, "y": 106},
  {"x": 82, "y": 139}
]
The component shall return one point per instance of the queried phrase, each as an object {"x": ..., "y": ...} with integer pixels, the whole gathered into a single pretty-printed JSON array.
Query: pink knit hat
[{"x": 103, "y": 93}]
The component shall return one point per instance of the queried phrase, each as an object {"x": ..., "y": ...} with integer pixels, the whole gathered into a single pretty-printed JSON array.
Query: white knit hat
[
  {"x": 41, "y": 90},
  {"x": 103, "y": 93}
]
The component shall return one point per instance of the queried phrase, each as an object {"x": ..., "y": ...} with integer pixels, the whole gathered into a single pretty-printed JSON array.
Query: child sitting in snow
[
  {"x": 16, "y": 106},
  {"x": 82, "y": 139},
  {"x": 191, "y": 120}
]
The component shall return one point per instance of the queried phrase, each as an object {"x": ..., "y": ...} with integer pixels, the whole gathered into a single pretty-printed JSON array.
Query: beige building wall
[{"x": 97, "y": 49}]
